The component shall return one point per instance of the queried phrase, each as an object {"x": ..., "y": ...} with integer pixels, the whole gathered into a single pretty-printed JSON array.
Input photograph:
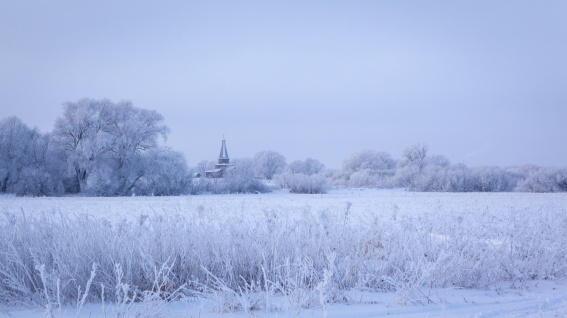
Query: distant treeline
[
  {"x": 102, "y": 148},
  {"x": 417, "y": 170}
]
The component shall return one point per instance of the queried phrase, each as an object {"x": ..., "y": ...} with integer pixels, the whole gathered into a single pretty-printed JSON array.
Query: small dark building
[{"x": 222, "y": 165}]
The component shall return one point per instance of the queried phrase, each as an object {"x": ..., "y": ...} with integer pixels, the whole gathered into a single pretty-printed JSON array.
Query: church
[{"x": 222, "y": 165}]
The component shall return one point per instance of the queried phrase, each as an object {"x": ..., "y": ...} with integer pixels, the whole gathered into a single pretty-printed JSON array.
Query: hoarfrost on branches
[{"x": 269, "y": 163}]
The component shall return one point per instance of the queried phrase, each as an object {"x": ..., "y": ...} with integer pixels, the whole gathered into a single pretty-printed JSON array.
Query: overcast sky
[{"x": 481, "y": 82}]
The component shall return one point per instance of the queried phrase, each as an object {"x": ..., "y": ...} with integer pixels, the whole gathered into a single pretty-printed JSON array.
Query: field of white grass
[{"x": 351, "y": 252}]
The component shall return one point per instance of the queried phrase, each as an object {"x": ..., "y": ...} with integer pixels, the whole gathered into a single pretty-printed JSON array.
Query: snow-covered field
[
  {"x": 351, "y": 252},
  {"x": 362, "y": 201}
]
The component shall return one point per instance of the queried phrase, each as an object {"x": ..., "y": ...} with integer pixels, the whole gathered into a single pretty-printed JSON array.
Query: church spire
[
  {"x": 223, "y": 157},
  {"x": 224, "y": 163}
]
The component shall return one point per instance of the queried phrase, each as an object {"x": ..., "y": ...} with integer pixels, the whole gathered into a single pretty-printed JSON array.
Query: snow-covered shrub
[
  {"x": 311, "y": 257},
  {"x": 437, "y": 175},
  {"x": 306, "y": 258},
  {"x": 372, "y": 179},
  {"x": 302, "y": 183},
  {"x": 241, "y": 178},
  {"x": 238, "y": 178},
  {"x": 367, "y": 168},
  {"x": 492, "y": 179}
]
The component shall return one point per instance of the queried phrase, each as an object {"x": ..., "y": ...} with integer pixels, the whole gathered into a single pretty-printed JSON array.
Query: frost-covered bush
[
  {"x": 372, "y": 179},
  {"x": 367, "y": 168},
  {"x": 302, "y": 183},
  {"x": 493, "y": 179},
  {"x": 238, "y": 178},
  {"x": 418, "y": 171},
  {"x": 241, "y": 178},
  {"x": 304, "y": 177},
  {"x": 317, "y": 254},
  {"x": 437, "y": 178},
  {"x": 457, "y": 178},
  {"x": 460, "y": 178}
]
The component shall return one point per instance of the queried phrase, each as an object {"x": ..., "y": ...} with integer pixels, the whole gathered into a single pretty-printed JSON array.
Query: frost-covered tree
[
  {"x": 132, "y": 132},
  {"x": 107, "y": 146},
  {"x": 544, "y": 180},
  {"x": 560, "y": 177},
  {"x": 304, "y": 177},
  {"x": 14, "y": 151},
  {"x": 368, "y": 159},
  {"x": 410, "y": 168},
  {"x": 367, "y": 168},
  {"x": 268, "y": 163},
  {"x": 457, "y": 178},
  {"x": 26, "y": 165},
  {"x": 432, "y": 176},
  {"x": 308, "y": 167},
  {"x": 415, "y": 155},
  {"x": 493, "y": 179},
  {"x": 80, "y": 133}
]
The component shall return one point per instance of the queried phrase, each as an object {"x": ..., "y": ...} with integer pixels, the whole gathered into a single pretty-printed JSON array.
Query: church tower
[
  {"x": 223, "y": 163},
  {"x": 223, "y": 157}
]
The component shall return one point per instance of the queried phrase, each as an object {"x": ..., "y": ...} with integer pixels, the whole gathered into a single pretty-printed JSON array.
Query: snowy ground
[
  {"x": 540, "y": 299},
  {"x": 360, "y": 201},
  {"x": 545, "y": 298}
]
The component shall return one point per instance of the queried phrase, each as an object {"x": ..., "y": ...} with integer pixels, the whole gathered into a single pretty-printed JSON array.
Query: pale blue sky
[{"x": 481, "y": 82}]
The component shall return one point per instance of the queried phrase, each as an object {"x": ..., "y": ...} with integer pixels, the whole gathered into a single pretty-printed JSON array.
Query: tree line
[
  {"x": 97, "y": 147},
  {"x": 418, "y": 170},
  {"x": 102, "y": 148}
]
